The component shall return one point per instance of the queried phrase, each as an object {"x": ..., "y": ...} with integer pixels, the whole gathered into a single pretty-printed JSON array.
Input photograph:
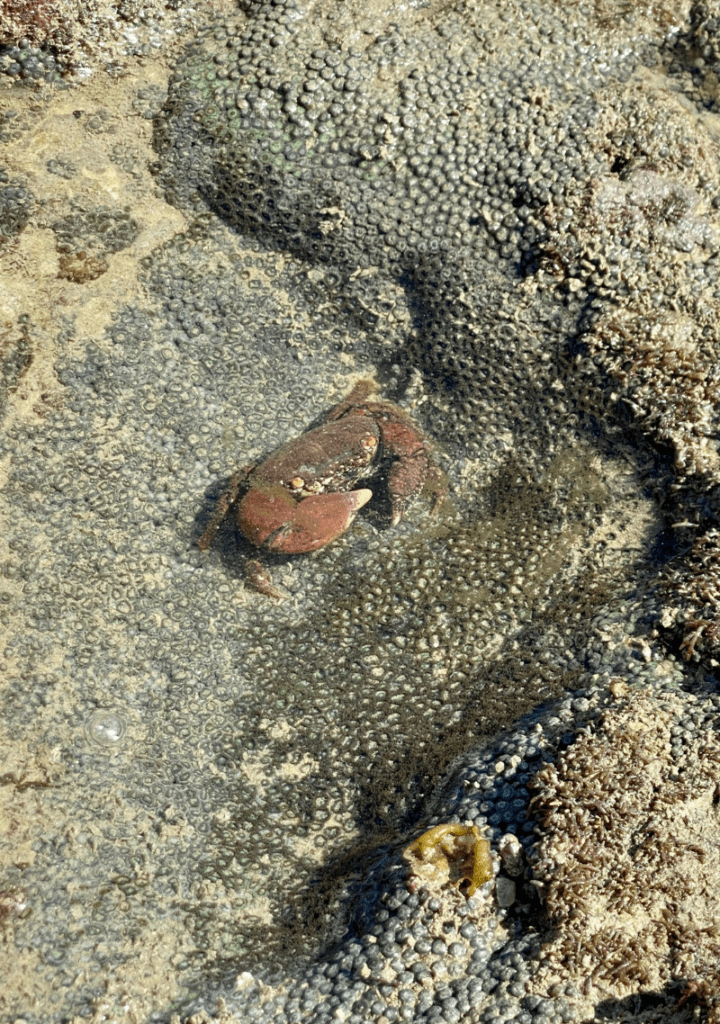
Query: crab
[{"x": 303, "y": 495}]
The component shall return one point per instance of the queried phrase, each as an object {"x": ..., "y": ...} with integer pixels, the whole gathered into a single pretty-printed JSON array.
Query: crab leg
[
  {"x": 227, "y": 500},
  {"x": 260, "y": 578},
  {"x": 355, "y": 399}
]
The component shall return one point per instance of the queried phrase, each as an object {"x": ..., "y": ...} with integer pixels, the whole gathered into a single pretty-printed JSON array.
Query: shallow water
[{"x": 204, "y": 786}]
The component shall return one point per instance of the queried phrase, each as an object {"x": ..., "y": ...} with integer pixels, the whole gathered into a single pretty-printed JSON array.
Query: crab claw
[
  {"x": 317, "y": 520},
  {"x": 265, "y": 510},
  {"x": 271, "y": 518}
]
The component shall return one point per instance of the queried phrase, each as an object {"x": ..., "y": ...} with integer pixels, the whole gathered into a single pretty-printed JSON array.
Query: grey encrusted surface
[{"x": 454, "y": 200}]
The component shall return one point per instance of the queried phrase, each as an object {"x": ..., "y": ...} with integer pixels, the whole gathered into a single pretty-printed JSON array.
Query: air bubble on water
[{"x": 106, "y": 728}]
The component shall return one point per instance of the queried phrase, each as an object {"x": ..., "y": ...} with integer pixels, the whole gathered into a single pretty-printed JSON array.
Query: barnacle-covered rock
[
  {"x": 15, "y": 205},
  {"x": 665, "y": 371},
  {"x": 628, "y": 862},
  {"x": 506, "y": 214},
  {"x": 85, "y": 238}
]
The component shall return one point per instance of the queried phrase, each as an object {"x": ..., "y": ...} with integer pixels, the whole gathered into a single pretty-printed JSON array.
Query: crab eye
[
  {"x": 369, "y": 442},
  {"x": 297, "y": 483}
]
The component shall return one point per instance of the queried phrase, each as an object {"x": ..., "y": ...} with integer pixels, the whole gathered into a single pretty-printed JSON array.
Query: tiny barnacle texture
[
  {"x": 15, "y": 206},
  {"x": 504, "y": 212}
]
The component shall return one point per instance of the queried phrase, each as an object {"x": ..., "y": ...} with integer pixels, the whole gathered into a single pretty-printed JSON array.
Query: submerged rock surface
[{"x": 504, "y": 212}]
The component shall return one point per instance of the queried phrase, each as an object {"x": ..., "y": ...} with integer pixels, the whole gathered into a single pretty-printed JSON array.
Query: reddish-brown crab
[{"x": 301, "y": 497}]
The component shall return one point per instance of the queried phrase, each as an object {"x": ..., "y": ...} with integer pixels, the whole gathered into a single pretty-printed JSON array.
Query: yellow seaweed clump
[{"x": 449, "y": 855}]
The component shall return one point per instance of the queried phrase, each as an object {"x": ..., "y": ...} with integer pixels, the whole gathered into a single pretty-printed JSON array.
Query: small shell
[
  {"x": 505, "y": 891},
  {"x": 511, "y": 854}
]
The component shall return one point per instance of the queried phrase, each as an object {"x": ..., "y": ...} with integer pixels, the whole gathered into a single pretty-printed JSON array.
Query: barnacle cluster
[
  {"x": 629, "y": 851},
  {"x": 85, "y": 238},
  {"x": 15, "y": 205},
  {"x": 40, "y": 28},
  {"x": 638, "y": 243},
  {"x": 16, "y": 356},
  {"x": 692, "y": 592},
  {"x": 46, "y": 41}
]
